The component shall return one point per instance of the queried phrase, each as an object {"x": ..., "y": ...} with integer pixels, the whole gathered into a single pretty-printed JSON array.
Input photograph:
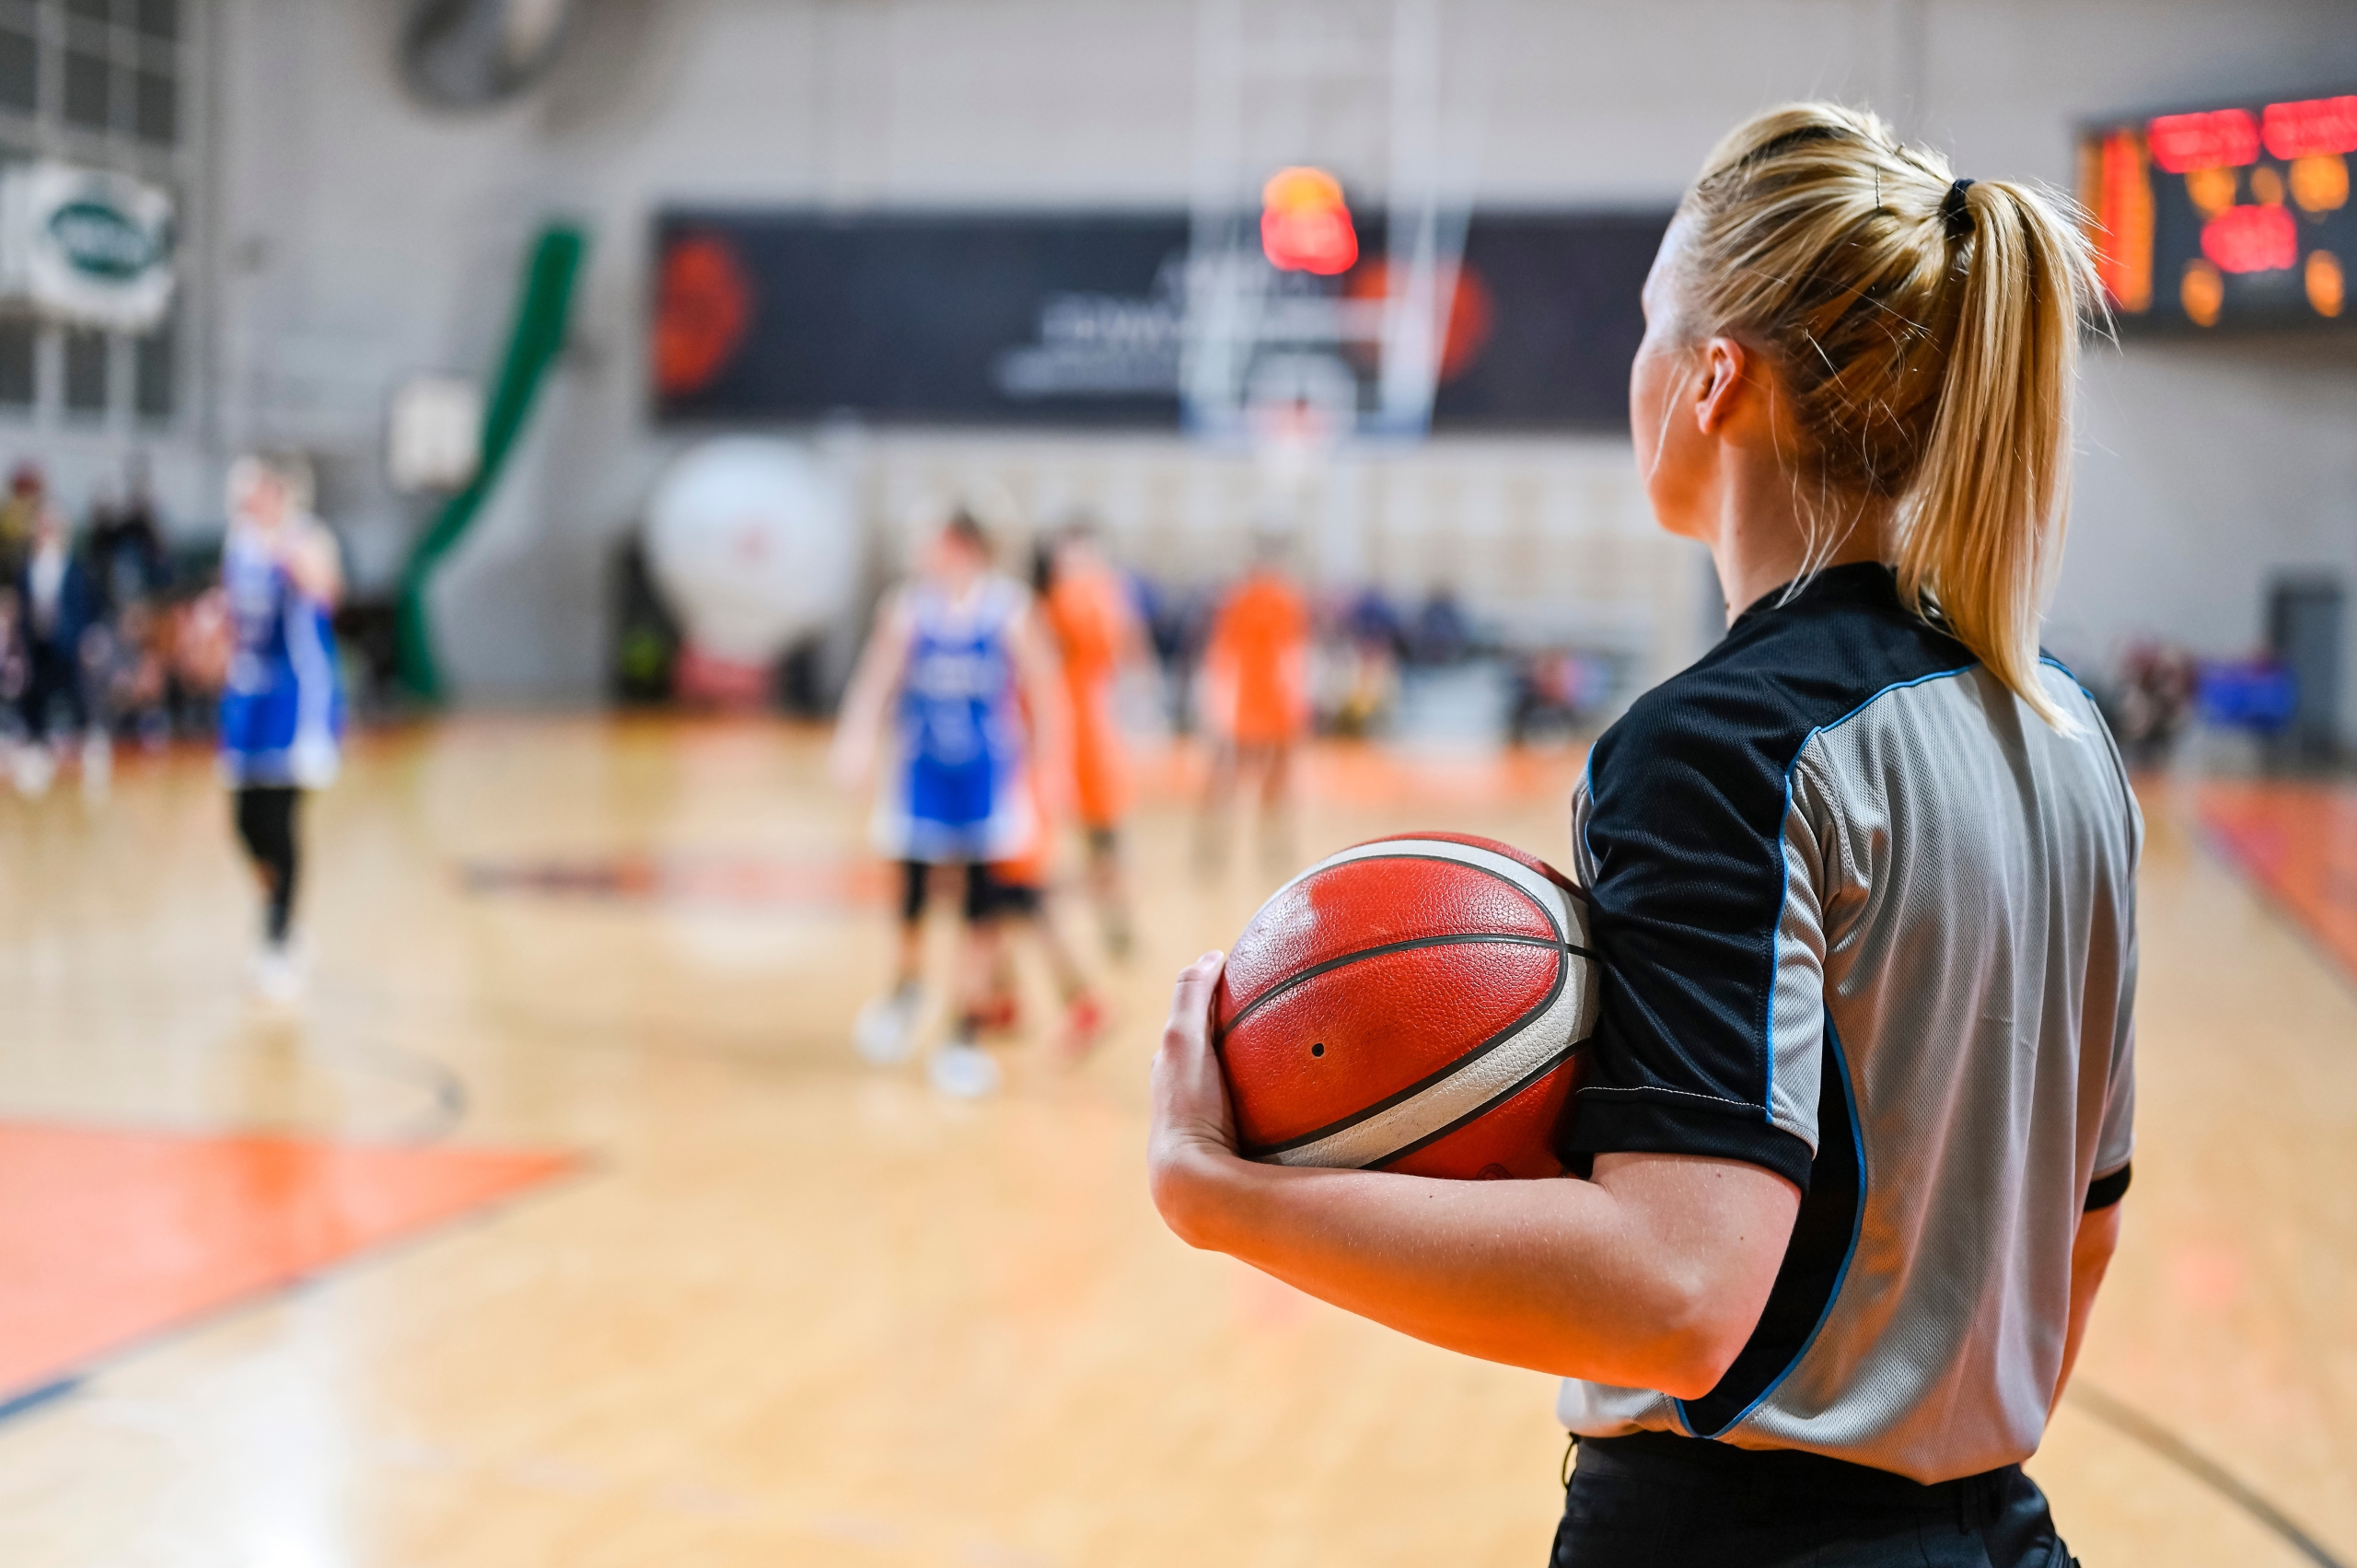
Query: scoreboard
[{"x": 2235, "y": 218}]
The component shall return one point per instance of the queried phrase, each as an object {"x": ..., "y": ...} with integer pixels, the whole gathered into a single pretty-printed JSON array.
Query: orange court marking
[
  {"x": 2299, "y": 842},
  {"x": 107, "y": 1236}
]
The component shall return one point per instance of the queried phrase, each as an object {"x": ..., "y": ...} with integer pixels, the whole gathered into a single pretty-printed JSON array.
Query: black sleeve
[
  {"x": 1713, "y": 960},
  {"x": 2106, "y": 1190}
]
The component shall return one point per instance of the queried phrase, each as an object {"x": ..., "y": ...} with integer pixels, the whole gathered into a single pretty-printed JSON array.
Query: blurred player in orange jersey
[
  {"x": 1096, "y": 633},
  {"x": 1020, "y": 888},
  {"x": 1255, "y": 702}
]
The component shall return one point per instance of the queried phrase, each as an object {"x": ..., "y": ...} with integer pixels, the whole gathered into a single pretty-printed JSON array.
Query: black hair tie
[{"x": 1954, "y": 212}]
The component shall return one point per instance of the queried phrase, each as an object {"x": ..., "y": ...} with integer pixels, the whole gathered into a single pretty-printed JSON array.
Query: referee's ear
[{"x": 1723, "y": 401}]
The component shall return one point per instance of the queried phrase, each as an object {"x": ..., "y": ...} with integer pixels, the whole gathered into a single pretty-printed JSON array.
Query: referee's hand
[{"x": 1192, "y": 1140}]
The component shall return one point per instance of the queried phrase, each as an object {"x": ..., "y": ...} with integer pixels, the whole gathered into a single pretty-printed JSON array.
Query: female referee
[{"x": 1857, "y": 1119}]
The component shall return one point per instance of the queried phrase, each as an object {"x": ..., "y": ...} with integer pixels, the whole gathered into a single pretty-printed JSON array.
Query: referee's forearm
[
  {"x": 1564, "y": 1276},
  {"x": 2090, "y": 1251}
]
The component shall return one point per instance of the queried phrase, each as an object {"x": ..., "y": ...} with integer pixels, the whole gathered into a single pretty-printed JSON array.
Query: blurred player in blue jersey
[
  {"x": 281, "y": 710},
  {"x": 956, "y": 659}
]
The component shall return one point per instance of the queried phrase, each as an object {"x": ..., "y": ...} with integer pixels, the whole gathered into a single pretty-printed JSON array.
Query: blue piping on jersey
[
  {"x": 1784, "y": 870},
  {"x": 2068, "y": 674},
  {"x": 1588, "y": 782},
  {"x": 1768, "y": 1097},
  {"x": 1841, "y": 1275},
  {"x": 2118, "y": 766}
]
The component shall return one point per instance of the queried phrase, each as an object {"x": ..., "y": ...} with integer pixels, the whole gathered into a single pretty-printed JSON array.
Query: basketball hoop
[{"x": 1301, "y": 332}]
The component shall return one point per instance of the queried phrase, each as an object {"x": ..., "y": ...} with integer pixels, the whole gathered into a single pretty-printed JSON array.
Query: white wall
[{"x": 363, "y": 236}]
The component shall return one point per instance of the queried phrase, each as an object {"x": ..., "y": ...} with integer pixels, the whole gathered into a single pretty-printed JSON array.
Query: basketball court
[
  {"x": 570, "y": 475},
  {"x": 562, "y": 1224}
]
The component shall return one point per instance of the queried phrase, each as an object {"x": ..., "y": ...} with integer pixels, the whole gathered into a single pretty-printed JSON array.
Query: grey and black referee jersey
[{"x": 1868, "y": 922}]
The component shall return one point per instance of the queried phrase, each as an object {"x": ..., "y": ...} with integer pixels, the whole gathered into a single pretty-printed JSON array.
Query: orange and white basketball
[{"x": 1414, "y": 1004}]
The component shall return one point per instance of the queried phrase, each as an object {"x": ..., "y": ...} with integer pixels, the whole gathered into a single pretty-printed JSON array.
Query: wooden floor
[{"x": 787, "y": 1310}]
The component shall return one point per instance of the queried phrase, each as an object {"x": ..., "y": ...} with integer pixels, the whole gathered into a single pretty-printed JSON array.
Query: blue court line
[{"x": 35, "y": 1398}]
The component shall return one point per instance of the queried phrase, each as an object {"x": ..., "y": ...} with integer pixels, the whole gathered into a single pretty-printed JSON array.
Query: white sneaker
[
  {"x": 886, "y": 1028},
  {"x": 97, "y": 763},
  {"x": 963, "y": 1071},
  {"x": 277, "y": 974},
  {"x": 32, "y": 767}
]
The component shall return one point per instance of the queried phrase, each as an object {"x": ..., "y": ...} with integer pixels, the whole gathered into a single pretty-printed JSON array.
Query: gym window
[
  {"x": 105, "y": 84},
  {"x": 151, "y": 374},
  {"x": 19, "y": 351},
  {"x": 86, "y": 372}
]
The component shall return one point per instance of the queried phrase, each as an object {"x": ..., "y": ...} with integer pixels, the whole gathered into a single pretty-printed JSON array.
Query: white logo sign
[{"x": 85, "y": 245}]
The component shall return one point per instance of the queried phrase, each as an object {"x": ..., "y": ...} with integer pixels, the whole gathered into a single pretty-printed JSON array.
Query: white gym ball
[{"x": 752, "y": 546}]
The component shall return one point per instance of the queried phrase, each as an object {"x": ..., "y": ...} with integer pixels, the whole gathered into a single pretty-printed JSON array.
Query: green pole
[{"x": 532, "y": 345}]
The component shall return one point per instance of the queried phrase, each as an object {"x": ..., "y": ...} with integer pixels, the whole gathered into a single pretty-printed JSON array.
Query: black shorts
[
  {"x": 1656, "y": 1500},
  {"x": 987, "y": 897},
  {"x": 916, "y": 888},
  {"x": 1016, "y": 901}
]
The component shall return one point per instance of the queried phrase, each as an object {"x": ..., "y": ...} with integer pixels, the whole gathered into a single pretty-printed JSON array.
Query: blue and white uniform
[
  {"x": 957, "y": 791},
  {"x": 282, "y": 711}
]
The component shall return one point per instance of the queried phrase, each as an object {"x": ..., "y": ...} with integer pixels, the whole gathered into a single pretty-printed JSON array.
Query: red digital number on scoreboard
[
  {"x": 2320, "y": 127},
  {"x": 2251, "y": 239},
  {"x": 2217, "y": 138}
]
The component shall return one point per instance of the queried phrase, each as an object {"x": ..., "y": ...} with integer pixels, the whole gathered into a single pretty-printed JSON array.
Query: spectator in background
[
  {"x": 1255, "y": 701},
  {"x": 1176, "y": 620},
  {"x": 1441, "y": 634},
  {"x": 1557, "y": 692},
  {"x": 131, "y": 677},
  {"x": 2151, "y": 704},
  {"x": 1371, "y": 623},
  {"x": 28, "y": 497},
  {"x": 127, "y": 540},
  {"x": 1358, "y": 680},
  {"x": 58, "y": 612},
  {"x": 13, "y": 674}
]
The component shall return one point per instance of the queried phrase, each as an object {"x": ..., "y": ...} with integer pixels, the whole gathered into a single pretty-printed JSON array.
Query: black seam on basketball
[
  {"x": 1450, "y": 939},
  {"x": 1561, "y": 940},
  {"x": 1479, "y": 1111},
  {"x": 1554, "y": 994}
]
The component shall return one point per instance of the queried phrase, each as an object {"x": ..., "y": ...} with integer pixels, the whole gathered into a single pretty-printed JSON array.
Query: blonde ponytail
[{"x": 1927, "y": 331}]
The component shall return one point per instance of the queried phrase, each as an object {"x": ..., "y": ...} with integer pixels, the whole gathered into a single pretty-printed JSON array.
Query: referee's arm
[
  {"x": 2098, "y": 1239},
  {"x": 2099, "y": 1233},
  {"x": 1650, "y": 1275}
]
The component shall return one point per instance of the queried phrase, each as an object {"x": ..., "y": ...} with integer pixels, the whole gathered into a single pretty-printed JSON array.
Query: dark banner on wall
[{"x": 1077, "y": 320}]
